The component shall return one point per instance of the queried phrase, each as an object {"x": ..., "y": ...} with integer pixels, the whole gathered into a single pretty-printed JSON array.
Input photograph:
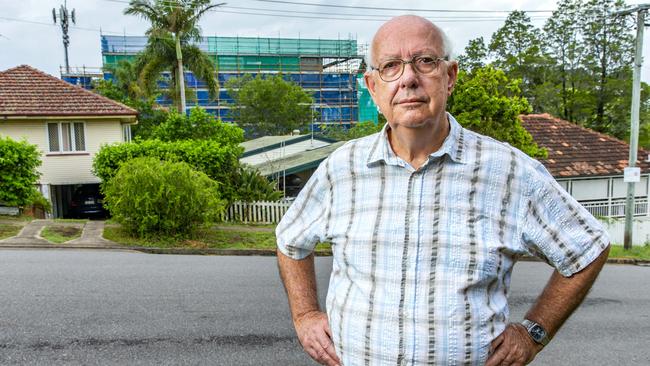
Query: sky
[{"x": 28, "y": 35}]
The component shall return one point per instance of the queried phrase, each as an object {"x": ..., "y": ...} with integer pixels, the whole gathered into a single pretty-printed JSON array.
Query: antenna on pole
[{"x": 65, "y": 17}]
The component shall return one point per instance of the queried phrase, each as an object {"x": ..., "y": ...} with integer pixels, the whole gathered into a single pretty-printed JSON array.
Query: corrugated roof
[
  {"x": 298, "y": 162},
  {"x": 28, "y": 92},
  {"x": 575, "y": 151}
]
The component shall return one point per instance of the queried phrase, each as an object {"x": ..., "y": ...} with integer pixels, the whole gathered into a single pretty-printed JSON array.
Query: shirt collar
[{"x": 454, "y": 145}]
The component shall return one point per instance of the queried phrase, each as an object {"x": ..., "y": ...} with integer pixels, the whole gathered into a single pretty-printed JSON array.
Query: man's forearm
[
  {"x": 562, "y": 295},
  {"x": 299, "y": 280}
]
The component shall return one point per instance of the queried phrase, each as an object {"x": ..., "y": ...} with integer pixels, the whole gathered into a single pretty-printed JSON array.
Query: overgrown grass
[
  {"x": 637, "y": 252},
  {"x": 21, "y": 218},
  {"x": 7, "y": 230},
  {"x": 204, "y": 239},
  {"x": 60, "y": 234}
]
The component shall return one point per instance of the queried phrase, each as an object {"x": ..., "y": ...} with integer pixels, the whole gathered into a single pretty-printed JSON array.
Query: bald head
[{"x": 406, "y": 26}]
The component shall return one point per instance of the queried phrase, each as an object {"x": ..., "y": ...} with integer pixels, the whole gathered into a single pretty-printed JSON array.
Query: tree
[
  {"x": 18, "y": 174},
  {"x": 199, "y": 125},
  {"x": 475, "y": 55},
  {"x": 174, "y": 24},
  {"x": 608, "y": 46},
  {"x": 269, "y": 106},
  {"x": 487, "y": 102},
  {"x": 516, "y": 48},
  {"x": 124, "y": 88},
  {"x": 359, "y": 129},
  {"x": 562, "y": 39}
]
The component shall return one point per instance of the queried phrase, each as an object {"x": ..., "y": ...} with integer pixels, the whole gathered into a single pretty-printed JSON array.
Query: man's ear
[
  {"x": 369, "y": 79},
  {"x": 452, "y": 76}
]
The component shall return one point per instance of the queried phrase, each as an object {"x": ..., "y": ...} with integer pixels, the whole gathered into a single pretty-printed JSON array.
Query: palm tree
[{"x": 174, "y": 26}]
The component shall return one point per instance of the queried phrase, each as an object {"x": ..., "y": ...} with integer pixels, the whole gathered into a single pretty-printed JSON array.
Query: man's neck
[{"x": 414, "y": 145}]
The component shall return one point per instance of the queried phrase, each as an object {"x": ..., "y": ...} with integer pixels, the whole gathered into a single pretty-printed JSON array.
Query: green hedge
[
  {"x": 149, "y": 196},
  {"x": 217, "y": 161}
]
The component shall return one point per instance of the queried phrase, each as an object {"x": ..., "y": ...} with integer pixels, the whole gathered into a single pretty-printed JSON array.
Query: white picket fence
[{"x": 260, "y": 212}]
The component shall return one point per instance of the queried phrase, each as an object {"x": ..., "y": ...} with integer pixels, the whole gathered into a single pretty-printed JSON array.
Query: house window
[
  {"x": 66, "y": 136},
  {"x": 126, "y": 133}
]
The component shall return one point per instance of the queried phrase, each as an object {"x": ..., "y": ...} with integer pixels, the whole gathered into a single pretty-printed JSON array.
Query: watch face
[{"x": 537, "y": 332}]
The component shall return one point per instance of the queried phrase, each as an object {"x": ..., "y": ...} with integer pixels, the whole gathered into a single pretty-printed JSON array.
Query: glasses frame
[{"x": 437, "y": 61}]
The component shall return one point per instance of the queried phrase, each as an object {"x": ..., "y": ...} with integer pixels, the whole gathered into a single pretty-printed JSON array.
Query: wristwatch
[{"x": 536, "y": 332}]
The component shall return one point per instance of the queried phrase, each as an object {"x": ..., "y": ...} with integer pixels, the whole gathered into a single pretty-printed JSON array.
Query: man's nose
[{"x": 409, "y": 77}]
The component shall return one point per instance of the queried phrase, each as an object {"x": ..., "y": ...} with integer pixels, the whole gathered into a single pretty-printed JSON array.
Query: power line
[
  {"x": 54, "y": 25},
  {"x": 398, "y": 9},
  {"x": 436, "y": 19},
  {"x": 358, "y": 7},
  {"x": 383, "y": 16}
]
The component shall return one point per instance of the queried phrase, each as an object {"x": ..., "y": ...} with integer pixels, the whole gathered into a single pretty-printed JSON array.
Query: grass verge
[
  {"x": 204, "y": 239},
  {"x": 7, "y": 230},
  {"x": 637, "y": 252},
  {"x": 60, "y": 234}
]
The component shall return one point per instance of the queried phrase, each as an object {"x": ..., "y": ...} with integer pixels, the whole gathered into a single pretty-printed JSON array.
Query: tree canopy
[
  {"x": 577, "y": 66},
  {"x": 487, "y": 102},
  {"x": 269, "y": 105},
  {"x": 174, "y": 26}
]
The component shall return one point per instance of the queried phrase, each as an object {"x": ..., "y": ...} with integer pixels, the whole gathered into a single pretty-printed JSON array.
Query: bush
[
  {"x": 252, "y": 186},
  {"x": 18, "y": 174},
  {"x": 219, "y": 162},
  {"x": 149, "y": 196},
  {"x": 199, "y": 125}
]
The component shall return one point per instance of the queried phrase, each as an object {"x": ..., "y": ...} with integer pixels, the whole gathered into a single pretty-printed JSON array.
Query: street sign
[{"x": 632, "y": 175}]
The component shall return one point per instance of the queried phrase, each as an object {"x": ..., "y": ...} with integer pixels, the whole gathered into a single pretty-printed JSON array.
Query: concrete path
[
  {"x": 29, "y": 234},
  {"x": 92, "y": 236}
]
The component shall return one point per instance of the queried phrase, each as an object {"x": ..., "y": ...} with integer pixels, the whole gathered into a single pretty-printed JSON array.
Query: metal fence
[{"x": 616, "y": 208}]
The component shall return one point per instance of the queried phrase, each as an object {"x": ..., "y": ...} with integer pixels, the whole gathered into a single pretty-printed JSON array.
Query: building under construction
[{"x": 330, "y": 69}]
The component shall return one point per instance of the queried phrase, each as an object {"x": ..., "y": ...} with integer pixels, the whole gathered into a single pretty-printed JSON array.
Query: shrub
[
  {"x": 199, "y": 125},
  {"x": 219, "y": 162},
  {"x": 149, "y": 196},
  {"x": 252, "y": 186},
  {"x": 18, "y": 174}
]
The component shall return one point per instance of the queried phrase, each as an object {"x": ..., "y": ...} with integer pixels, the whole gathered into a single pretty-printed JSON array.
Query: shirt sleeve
[
  {"x": 303, "y": 225},
  {"x": 557, "y": 228}
]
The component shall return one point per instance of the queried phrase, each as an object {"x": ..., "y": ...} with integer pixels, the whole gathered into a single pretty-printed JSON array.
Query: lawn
[
  {"x": 229, "y": 237},
  {"x": 60, "y": 234},
  {"x": 637, "y": 252},
  {"x": 8, "y": 230}
]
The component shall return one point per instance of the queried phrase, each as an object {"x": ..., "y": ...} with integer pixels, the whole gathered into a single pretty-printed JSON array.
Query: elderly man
[{"x": 426, "y": 221}]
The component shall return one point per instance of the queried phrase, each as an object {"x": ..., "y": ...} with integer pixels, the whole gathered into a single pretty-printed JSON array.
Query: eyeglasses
[{"x": 392, "y": 70}]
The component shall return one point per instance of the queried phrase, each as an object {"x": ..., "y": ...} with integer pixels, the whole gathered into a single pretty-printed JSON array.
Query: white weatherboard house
[
  {"x": 589, "y": 165},
  {"x": 66, "y": 122}
]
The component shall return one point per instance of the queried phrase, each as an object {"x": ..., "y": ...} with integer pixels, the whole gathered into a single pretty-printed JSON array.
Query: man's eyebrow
[{"x": 414, "y": 54}]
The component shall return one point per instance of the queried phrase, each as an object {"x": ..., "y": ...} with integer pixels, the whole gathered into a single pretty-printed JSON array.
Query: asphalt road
[{"x": 65, "y": 307}]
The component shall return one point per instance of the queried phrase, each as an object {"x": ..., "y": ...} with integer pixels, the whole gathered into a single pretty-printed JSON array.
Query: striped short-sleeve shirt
[{"x": 422, "y": 257}]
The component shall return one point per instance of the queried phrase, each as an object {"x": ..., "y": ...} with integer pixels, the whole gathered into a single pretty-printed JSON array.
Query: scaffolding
[{"x": 327, "y": 68}]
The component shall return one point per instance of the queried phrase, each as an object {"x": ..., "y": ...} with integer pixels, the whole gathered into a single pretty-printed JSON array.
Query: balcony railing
[{"x": 616, "y": 208}]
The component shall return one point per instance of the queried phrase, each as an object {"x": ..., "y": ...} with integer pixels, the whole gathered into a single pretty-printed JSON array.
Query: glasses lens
[
  {"x": 390, "y": 70},
  {"x": 425, "y": 64}
]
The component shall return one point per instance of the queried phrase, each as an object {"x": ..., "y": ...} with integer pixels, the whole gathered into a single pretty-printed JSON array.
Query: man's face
[{"x": 414, "y": 100}]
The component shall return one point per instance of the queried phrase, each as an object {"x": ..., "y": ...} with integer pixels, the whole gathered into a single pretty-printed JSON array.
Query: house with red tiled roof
[
  {"x": 589, "y": 165},
  {"x": 66, "y": 122}
]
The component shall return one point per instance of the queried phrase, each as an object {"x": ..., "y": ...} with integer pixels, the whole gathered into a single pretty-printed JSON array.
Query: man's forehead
[{"x": 412, "y": 35}]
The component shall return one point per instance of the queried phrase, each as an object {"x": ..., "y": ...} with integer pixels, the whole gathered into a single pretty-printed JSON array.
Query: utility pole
[
  {"x": 65, "y": 18},
  {"x": 632, "y": 173}
]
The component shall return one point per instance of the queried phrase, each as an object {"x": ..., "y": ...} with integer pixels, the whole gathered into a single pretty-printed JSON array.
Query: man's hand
[
  {"x": 316, "y": 338},
  {"x": 513, "y": 347}
]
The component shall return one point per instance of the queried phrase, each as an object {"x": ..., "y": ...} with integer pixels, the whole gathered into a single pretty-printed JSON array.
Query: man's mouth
[{"x": 411, "y": 101}]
